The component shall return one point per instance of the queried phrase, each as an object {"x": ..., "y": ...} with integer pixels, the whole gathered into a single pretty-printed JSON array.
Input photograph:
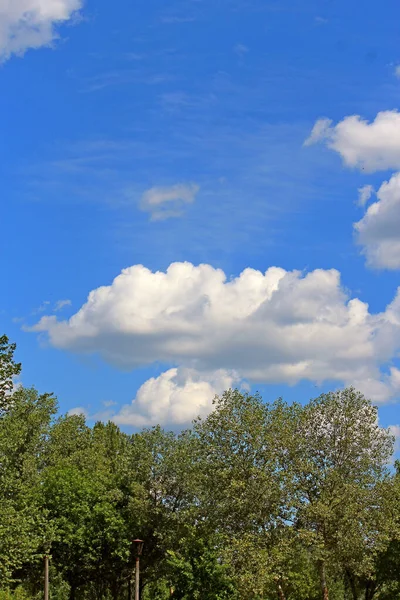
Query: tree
[
  {"x": 163, "y": 464},
  {"x": 24, "y": 429},
  {"x": 243, "y": 490},
  {"x": 383, "y": 580},
  {"x": 85, "y": 491},
  {"x": 197, "y": 570},
  {"x": 8, "y": 370},
  {"x": 338, "y": 460},
  {"x": 258, "y": 501}
]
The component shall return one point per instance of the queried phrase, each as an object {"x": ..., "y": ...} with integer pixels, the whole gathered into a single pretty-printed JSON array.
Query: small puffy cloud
[
  {"x": 165, "y": 202},
  {"x": 272, "y": 327},
  {"x": 28, "y": 24},
  {"x": 378, "y": 232},
  {"x": 397, "y": 71},
  {"x": 371, "y": 146},
  {"x": 364, "y": 194},
  {"x": 175, "y": 397}
]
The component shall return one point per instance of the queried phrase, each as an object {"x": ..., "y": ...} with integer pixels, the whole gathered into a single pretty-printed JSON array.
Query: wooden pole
[
  {"x": 46, "y": 578},
  {"x": 137, "y": 579}
]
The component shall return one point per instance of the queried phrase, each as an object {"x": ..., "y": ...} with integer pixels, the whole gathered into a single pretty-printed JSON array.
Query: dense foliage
[{"x": 256, "y": 501}]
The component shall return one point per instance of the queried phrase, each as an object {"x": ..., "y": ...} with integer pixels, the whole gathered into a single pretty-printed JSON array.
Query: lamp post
[
  {"x": 46, "y": 558},
  {"x": 138, "y": 549},
  {"x": 46, "y": 577}
]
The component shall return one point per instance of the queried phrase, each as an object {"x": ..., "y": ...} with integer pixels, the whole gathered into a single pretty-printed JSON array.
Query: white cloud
[
  {"x": 320, "y": 131},
  {"x": 108, "y": 403},
  {"x": 397, "y": 71},
  {"x": 60, "y": 304},
  {"x": 364, "y": 194},
  {"x": 165, "y": 202},
  {"x": 379, "y": 229},
  {"x": 28, "y": 24},
  {"x": 175, "y": 397},
  {"x": 42, "y": 308},
  {"x": 16, "y": 385},
  {"x": 78, "y": 410},
  {"x": 371, "y": 146},
  {"x": 395, "y": 431},
  {"x": 381, "y": 390},
  {"x": 270, "y": 327}
]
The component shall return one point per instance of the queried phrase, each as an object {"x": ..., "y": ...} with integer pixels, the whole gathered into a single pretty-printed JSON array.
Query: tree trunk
[
  {"x": 72, "y": 592},
  {"x": 281, "y": 595},
  {"x": 352, "y": 585},
  {"x": 322, "y": 576},
  {"x": 370, "y": 589},
  {"x": 115, "y": 590}
]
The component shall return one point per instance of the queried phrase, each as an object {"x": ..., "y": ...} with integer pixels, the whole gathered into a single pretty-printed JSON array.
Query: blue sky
[{"x": 146, "y": 134}]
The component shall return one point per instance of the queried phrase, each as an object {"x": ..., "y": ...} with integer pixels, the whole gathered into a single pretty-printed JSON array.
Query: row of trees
[{"x": 256, "y": 501}]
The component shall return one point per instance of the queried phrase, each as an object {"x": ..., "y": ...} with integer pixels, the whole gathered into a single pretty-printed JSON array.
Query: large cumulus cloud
[{"x": 271, "y": 327}]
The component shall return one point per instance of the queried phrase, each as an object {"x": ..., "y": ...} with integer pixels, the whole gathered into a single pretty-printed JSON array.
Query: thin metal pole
[
  {"x": 46, "y": 578},
  {"x": 137, "y": 579}
]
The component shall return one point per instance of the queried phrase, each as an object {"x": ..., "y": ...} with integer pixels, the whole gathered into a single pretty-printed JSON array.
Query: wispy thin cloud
[
  {"x": 45, "y": 307},
  {"x": 18, "y": 320},
  {"x": 109, "y": 403},
  {"x": 60, "y": 304},
  {"x": 166, "y": 202},
  {"x": 133, "y": 56},
  {"x": 42, "y": 308},
  {"x": 321, "y": 20},
  {"x": 241, "y": 50},
  {"x": 176, "y": 19},
  {"x": 179, "y": 101},
  {"x": 364, "y": 194},
  {"x": 120, "y": 77}
]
